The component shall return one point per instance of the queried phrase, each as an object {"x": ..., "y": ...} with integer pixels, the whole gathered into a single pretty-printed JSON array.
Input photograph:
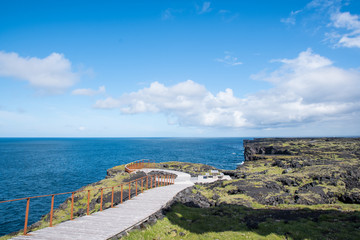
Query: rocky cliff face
[
  {"x": 298, "y": 171},
  {"x": 256, "y": 147}
]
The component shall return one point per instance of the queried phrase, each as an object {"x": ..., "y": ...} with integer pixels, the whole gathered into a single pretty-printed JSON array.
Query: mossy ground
[
  {"x": 194, "y": 169},
  {"x": 239, "y": 222}
]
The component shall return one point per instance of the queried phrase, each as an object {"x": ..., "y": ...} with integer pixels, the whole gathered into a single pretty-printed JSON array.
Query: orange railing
[
  {"x": 150, "y": 181},
  {"x": 144, "y": 163}
]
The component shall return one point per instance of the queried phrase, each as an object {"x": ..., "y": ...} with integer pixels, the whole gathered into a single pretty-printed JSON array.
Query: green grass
[
  {"x": 238, "y": 222},
  {"x": 192, "y": 168}
]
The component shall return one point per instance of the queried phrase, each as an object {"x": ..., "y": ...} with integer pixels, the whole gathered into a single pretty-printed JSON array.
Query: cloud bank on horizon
[{"x": 305, "y": 89}]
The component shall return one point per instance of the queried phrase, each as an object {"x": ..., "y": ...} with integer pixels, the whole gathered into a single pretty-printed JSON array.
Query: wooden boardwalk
[{"x": 112, "y": 221}]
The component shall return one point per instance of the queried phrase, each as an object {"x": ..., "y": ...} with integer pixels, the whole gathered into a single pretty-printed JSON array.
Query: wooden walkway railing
[
  {"x": 144, "y": 163},
  {"x": 150, "y": 181}
]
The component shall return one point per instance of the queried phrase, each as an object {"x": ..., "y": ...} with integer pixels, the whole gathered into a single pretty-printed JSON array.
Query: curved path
[{"x": 112, "y": 221}]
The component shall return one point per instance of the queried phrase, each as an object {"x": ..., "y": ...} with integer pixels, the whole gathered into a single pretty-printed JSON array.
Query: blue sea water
[{"x": 38, "y": 166}]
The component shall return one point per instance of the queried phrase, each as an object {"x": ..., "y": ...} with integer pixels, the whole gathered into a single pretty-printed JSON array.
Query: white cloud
[
  {"x": 107, "y": 103},
  {"x": 228, "y": 59},
  {"x": 205, "y": 8},
  {"x": 51, "y": 74},
  {"x": 305, "y": 89},
  {"x": 88, "y": 91},
  {"x": 223, "y": 11},
  {"x": 81, "y": 128},
  {"x": 324, "y": 4},
  {"x": 227, "y": 16},
  {"x": 315, "y": 79},
  {"x": 345, "y": 20},
  {"x": 342, "y": 28},
  {"x": 187, "y": 102},
  {"x": 291, "y": 20},
  {"x": 166, "y": 14}
]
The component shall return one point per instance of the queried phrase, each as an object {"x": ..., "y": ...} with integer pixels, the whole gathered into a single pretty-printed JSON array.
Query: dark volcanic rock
[
  {"x": 295, "y": 171},
  {"x": 252, "y": 150},
  {"x": 188, "y": 198},
  {"x": 112, "y": 172},
  {"x": 134, "y": 176},
  {"x": 352, "y": 177},
  {"x": 288, "y": 181},
  {"x": 351, "y": 197}
]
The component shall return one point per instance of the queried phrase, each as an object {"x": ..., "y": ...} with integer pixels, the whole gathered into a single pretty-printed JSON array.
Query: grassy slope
[{"x": 239, "y": 222}]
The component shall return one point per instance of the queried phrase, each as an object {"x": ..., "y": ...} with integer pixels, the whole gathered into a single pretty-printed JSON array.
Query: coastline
[
  {"x": 293, "y": 188},
  {"x": 278, "y": 174}
]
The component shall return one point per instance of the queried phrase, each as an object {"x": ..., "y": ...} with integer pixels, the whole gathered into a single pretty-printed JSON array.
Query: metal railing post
[
  {"x": 112, "y": 197},
  {"x": 129, "y": 191},
  {"x": 72, "y": 206},
  {"x": 136, "y": 187},
  {"x": 101, "y": 200},
  {"x": 52, "y": 210},
  {"x": 121, "y": 201},
  {"x": 26, "y": 215},
  {"x": 88, "y": 203}
]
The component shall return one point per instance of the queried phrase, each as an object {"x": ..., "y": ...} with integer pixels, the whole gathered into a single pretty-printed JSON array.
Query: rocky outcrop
[
  {"x": 322, "y": 170},
  {"x": 303, "y": 171},
  {"x": 190, "y": 199},
  {"x": 254, "y": 148}
]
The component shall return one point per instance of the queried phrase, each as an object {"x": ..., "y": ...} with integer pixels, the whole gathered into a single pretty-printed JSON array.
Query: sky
[{"x": 179, "y": 68}]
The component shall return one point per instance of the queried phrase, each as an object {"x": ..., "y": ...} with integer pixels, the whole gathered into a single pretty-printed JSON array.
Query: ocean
[{"x": 39, "y": 166}]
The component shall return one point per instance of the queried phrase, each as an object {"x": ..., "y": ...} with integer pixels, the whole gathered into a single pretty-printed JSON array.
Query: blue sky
[{"x": 179, "y": 68}]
